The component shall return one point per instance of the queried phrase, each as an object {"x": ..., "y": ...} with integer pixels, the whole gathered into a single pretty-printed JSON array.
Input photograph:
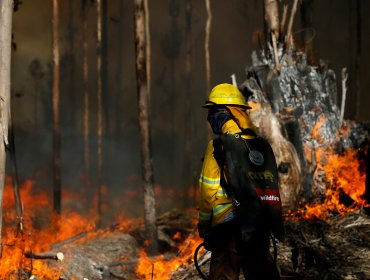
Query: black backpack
[{"x": 249, "y": 176}]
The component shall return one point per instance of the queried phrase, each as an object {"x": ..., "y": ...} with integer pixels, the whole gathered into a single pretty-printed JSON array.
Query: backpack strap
[{"x": 219, "y": 155}]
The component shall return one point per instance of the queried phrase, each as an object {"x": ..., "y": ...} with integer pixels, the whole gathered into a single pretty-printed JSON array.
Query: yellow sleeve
[{"x": 214, "y": 205}]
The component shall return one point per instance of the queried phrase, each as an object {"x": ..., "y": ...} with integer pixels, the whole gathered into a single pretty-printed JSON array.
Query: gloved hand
[
  {"x": 203, "y": 230},
  {"x": 205, "y": 233},
  {"x": 208, "y": 242}
]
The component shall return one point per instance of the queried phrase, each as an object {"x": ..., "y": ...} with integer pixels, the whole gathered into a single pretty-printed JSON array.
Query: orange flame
[
  {"x": 342, "y": 173},
  {"x": 335, "y": 174},
  {"x": 160, "y": 267},
  {"x": 39, "y": 232}
]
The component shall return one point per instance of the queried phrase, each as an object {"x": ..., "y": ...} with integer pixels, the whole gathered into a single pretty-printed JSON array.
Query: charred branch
[
  {"x": 69, "y": 240},
  {"x": 283, "y": 19},
  {"x": 344, "y": 94},
  {"x": 289, "y": 35},
  {"x": 45, "y": 256}
]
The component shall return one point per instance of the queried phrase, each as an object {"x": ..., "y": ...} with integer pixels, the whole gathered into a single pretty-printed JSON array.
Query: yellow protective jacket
[{"x": 214, "y": 206}]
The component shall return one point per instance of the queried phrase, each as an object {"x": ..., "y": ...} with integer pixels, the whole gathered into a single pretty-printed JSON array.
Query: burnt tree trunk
[
  {"x": 99, "y": 72},
  {"x": 289, "y": 35},
  {"x": 271, "y": 15},
  {"x": 189, "y": 156},
  {"x": 86, "y": 101},
  {"x": 13, "y": 159},
  {"x": 299, "y": 116},
  {"x": 307, "y": 23},
  {"x": 144, "y": 126},
  {"x": 206, "y": 45},
  {"x": 117, "y": 112},
  {"x": 207, "y": 55},
  {"x": 367, "y": 188},
  {"x": 104, "y": 66},
  {"x": 56, "y": 113},
  {"x": 358, "y": 56},
  {"x": 68, "y": 63},
  {"x": 6, "y": 13}
]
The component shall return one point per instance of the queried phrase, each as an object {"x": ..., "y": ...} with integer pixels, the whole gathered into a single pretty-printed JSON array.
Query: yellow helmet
[{"x": 226, "y": 94}]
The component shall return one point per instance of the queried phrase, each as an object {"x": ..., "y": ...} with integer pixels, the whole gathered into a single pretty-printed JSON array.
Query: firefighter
[{"x": 218, "y": 223}]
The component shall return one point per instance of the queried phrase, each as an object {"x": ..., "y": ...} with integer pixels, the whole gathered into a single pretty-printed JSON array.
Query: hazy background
[{"x": 176, "y": 113}]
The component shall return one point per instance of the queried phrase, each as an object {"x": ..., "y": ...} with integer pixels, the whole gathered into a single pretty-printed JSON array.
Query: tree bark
[
  {"x": 189, "y": 156},
  {"x": 207, "y": 56},
  {"x": 56, "y": 113},
  {"x": 105, "y": 102},
  {"x": 17, "y": 195},
  {"x": 6, "y": 13},
  {"x": 306, "y": 15},
  {"x": 367, "y": 188},
  {"x": 206, "y": 46},
  {"x": 86, "y": 104},
  {"x": 100, "y": 107},
  {"x": 147, "y": 49},
  {"x": 357, "y": 73},
  {"x": 144, "y": 126},
  {"x": 289, "y": 36}
]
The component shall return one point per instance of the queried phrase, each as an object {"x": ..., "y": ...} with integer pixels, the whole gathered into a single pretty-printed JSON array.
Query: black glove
[
  {"x": 203, "y": 230},
  {"x": 208, "y": 242},
  {"x": 205, "y": 233}
]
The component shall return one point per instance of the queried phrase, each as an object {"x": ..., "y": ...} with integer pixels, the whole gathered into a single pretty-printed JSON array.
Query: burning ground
[
  {"x": 325, "y": 239},
  {"x": 323, "y": 187}
]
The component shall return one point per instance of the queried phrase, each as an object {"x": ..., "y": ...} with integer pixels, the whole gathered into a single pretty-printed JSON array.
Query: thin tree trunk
[
  {"x": 306, "y": 15},
  {"x": 86, "y": 112},
  {"x": 144, "y": 126},
  {"x": 147, "y": 49},
  {"x": 206, "y": 46},
  {"x": 119, "y": 76},
  {"x": 100, "y": 107},
  {"x": 358, "y": 56},
  {"x": 56, "y": 113},
  {"x": 367, "y": 185},
  {"x": 105, "y": 101},
  {"x": 189, "y": 156},
  {"x": 207, "y": 55},
  {"x": 6, "y": 13},
  {"x": 70, "y": 66},
  {"x": 289, "y": 36},
  {"x": 17, "y": 195}
]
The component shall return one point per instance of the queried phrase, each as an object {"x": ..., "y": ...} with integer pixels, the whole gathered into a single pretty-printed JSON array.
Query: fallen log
[{"x": 45, "y": 256}]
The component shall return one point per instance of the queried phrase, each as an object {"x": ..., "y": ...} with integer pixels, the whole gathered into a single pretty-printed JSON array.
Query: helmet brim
[{"x": 211, "y": 104}]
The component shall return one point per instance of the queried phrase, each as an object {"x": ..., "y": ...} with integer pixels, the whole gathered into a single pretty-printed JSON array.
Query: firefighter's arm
[{"x": 209, "y": 183}]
